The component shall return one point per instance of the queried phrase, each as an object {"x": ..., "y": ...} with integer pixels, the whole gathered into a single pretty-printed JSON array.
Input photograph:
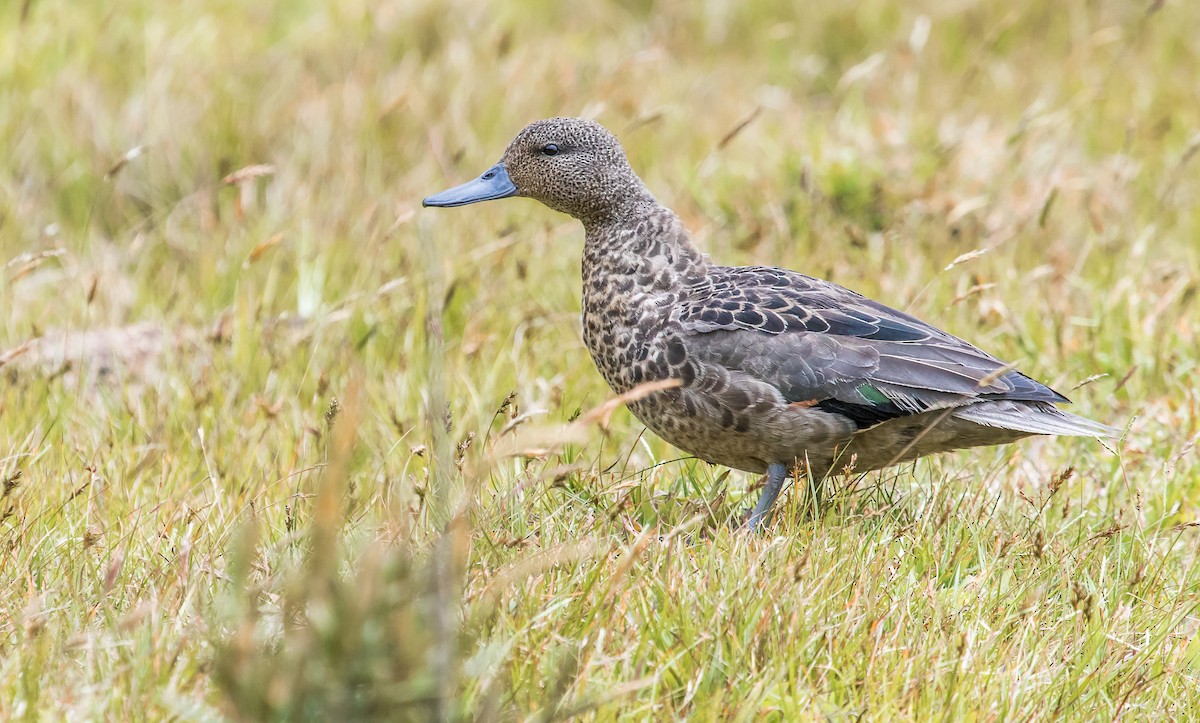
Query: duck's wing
[{"x": 821, "y": 344}]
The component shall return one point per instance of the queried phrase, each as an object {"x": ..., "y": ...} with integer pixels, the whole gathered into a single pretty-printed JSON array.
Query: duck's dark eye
[{"x": 550, "y": 149}]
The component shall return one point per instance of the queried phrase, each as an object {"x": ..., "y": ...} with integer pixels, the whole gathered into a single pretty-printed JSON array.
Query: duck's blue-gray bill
[{"x": 493, "y": 184}]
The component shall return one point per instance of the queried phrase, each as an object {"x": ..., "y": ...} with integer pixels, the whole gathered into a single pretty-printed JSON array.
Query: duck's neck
[{"x": 640, "y": 247}]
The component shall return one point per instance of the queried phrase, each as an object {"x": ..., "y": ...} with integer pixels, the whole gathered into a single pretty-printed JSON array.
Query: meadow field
[{"x": 276, "y": 443}]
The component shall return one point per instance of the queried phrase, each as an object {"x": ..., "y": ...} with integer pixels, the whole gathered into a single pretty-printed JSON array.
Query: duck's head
[{"x": 573, "y": 165}]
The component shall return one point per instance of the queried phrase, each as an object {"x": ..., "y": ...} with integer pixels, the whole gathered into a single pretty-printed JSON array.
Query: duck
[{"x": 775, "y": 372}]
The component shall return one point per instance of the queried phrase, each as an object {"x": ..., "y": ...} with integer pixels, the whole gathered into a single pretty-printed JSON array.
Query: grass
[{"x": 255, "y": 432}]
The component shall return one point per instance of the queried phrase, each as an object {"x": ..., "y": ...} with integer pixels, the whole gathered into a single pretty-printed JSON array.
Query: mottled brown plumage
[{"x": 779, "y": 370}]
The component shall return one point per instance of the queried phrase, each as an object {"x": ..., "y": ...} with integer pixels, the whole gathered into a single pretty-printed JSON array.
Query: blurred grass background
[{"x": 251, "y": 393}]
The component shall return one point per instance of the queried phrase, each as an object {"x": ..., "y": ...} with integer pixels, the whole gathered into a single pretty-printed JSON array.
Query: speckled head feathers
[{"x": 573, "y": 165}]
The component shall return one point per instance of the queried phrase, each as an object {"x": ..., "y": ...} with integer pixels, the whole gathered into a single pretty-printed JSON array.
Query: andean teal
[{"x": 778, "y": 371}]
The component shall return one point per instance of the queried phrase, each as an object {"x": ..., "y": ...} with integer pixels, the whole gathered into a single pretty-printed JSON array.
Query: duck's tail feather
[{"x": 1035, "y": 418}]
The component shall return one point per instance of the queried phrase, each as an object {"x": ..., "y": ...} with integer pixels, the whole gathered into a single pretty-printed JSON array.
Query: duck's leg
[{"x": 776, "y": 474}]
